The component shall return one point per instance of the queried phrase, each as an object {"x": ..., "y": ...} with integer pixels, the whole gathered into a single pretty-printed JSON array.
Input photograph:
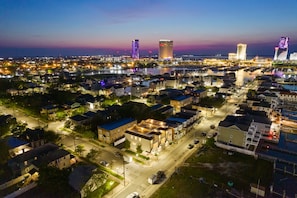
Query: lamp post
[
  {"x": 74, "y": 142},
  {"x": 124, "y": 172}
]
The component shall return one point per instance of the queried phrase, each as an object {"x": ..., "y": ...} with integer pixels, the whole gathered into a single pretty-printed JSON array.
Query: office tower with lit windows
[
  {"x": 135, "y": 49},
  {"x": 165, "y": 49},
  {"x": 281, "y": 51},
  {"x": 241, "y": 51}
]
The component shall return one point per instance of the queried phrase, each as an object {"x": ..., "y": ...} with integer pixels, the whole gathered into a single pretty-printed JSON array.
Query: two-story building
[
  {"x": 111, "y": 132},
  {"x": 139, "y": 91},
  {"x": 48, "y": 154},
  {"x": 180, "y": 101}
]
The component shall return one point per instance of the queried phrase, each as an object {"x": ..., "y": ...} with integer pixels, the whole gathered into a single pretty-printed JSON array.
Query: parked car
[
  {"x": 156, "y": 178},
  {"x": 190, "y": 146},
  {"x": 104, "y": 163},
  {"x": 196, "y": 141},
  {"x": 133, "y": 195},
  {"x": 118, "y": 154}
]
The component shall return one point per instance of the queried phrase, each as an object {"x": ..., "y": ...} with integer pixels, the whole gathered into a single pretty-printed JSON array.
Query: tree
[
  {"x": 53, "y": 179},
  {"x": 93, "y": 154},
  {"x": 139, "y": 149},
  {"x": 19, "y": 129},
  {"x": 79, "y": 149},
  {"x": 127, "y": 144},
  {"x": 4, "y": 154},
  {"x": 7, "y": 124},
  {"x": 67, "y": 124},
  {"x": 51, "y": 136}
]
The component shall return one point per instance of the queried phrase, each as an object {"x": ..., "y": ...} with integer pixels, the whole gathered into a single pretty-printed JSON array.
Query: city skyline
[{"x": 197, "y": 27}]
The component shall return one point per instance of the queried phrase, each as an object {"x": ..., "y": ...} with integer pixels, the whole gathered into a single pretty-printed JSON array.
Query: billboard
[{"x": 283, "y": 43}]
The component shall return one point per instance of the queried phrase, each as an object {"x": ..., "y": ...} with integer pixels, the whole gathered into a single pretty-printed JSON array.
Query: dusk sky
[{"x": 90, "y": 27}]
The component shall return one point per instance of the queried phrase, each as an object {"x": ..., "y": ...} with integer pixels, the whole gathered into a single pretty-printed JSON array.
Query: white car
[
  {"x": 104, "y": 163},
  {"x": 133, "y": 195}
]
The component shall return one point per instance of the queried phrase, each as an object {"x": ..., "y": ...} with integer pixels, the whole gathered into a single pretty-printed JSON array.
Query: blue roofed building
[
  {"x": 180, "y": 101},
  {"x": 17, "y": 146},
  {"x": 111, "y": 132}
]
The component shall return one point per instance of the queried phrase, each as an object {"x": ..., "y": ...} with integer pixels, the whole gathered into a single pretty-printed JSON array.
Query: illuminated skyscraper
[
  {"x": 135, "y": 49},
  {"x": 241, "y": 51},
  {"x": 275, "y": 53},
  {"x": 281, "y": 51},
  {"x": 165, "y": 49}
]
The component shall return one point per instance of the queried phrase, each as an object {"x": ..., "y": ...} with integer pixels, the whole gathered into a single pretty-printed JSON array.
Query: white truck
[
  {"x": 127, "y": 158},
  {"x": 152, "y": 179},
  {"x": 156, "y": 177}
]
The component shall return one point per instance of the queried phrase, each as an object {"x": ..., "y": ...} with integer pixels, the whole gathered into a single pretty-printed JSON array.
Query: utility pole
[
  {"x": 74, "y": 142},
  {"x": 258, "y": 184}
]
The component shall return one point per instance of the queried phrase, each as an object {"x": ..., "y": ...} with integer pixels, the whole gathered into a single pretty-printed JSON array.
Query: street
[{"x": 136, "y": 174}]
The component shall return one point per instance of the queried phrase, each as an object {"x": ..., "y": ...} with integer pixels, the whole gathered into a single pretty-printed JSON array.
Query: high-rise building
[
  {"x": 135, "y": 49},
  {"x": 281, "y": 51},
  {"x": 293, "y": 56},
  {"x": 165, "y": 49},
  {"x": 241, "y": 51},
  {"x": 275, "y": 53}
]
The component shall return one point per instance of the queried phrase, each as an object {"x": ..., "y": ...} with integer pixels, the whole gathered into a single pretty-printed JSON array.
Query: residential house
[
  {"x": 139, "y": 91},
  {"x": 178, "y": 129},
  {"x": 287, "y": 96},
  {"x": 59, "y": 158},
  {"x": 157, "y": 85},
  {"x": 238, "y": 132},
  {"x": 118, "y": 90},
  {"x": 49, "y": 109},
  {"x": 171, "y": 82},
  {"x": 262, "y": 106},
  {"x": 270, "y": 97},
  {"x": 162, "y": 109},
  {"x": 35, "y": 137},
  {"x": 86, "y": 179},
  {"x": 17, "y": 146},
  {"x": 22, "y": 163},
  {"x": 198, "y": 94},
  {"x": 171, "y": 93},
  {"x": 215, "y": 81},
  {"x": 261, "y": 120},
  {"x": 79, "y": 120}
]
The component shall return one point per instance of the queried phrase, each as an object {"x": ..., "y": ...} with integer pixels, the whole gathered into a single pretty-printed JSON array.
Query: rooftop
[{"x": 116, "y": 124}]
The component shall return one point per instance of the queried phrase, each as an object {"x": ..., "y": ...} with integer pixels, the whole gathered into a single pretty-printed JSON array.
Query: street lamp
[
  {"x": 124, "y": 172},
  {"x": 74, "y": 142}
]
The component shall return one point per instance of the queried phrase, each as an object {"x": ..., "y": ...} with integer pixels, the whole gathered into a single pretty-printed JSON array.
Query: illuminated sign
[{"x": 283, "y": 43}]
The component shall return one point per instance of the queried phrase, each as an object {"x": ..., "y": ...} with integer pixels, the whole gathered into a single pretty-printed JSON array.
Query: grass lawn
[{"x": 207, "y": 173}]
